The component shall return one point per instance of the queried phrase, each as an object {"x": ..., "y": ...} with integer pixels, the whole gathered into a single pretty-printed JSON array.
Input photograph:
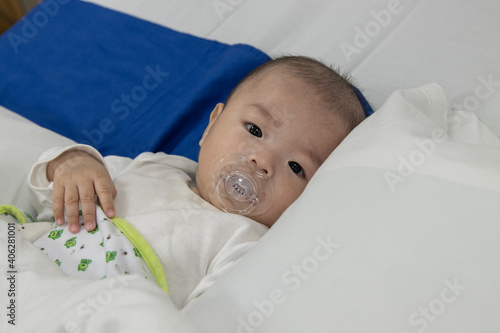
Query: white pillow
[
  {"x": 397, "y": 232},
  {"x": 21, "y": 144}
]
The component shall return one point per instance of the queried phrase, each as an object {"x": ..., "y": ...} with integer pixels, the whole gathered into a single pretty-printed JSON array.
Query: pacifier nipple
[{"x": 240, "y": 188}]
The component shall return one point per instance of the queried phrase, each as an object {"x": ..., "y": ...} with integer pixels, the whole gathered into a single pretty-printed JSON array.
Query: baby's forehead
[
  {"x": 306, "y": 128},
  {"x": 283, "y": 83},
  {"x": 281, "y": 72},
  {"x": 285, "y": 89}
]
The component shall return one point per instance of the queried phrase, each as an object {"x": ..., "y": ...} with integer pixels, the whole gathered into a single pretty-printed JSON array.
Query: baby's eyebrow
[
  {"x": 313, "y": 155},
  {"x": 264, "y": 111}
]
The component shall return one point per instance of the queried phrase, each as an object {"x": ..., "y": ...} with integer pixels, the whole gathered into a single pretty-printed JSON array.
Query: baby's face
[{"x": 280, "y": 129}]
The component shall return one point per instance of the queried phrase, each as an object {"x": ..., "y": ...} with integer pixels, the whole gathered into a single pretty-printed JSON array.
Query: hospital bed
[{"x": 398, "y": 231}]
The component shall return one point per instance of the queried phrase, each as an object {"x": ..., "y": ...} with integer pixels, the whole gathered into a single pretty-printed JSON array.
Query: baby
[{"x": 257, "y": 154}]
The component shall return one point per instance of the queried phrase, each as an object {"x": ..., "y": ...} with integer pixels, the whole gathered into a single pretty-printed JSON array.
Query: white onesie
[{"x": 194, "y": 241}]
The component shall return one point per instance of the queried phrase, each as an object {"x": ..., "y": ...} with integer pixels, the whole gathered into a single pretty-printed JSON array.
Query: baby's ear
[{"x": 213, "y": 117}]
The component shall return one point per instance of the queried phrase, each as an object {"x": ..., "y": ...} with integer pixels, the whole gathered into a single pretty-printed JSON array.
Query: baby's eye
[
  {"x": 296, "y": 168},
  {"x": 254, "y": 130}
]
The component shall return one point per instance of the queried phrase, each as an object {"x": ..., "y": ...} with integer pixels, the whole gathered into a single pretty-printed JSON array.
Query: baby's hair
[{"x": 333, "y": 87}]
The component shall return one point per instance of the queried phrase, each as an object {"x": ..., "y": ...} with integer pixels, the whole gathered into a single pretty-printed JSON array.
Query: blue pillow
[
  {"x": 116, "y": 82},
  {"x": 364, "y": 102}
]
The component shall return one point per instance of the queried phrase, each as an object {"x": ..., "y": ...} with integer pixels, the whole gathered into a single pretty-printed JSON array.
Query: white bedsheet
[
  {"x": 21, "y": 143},
  {"x": 386, "y": 44}
]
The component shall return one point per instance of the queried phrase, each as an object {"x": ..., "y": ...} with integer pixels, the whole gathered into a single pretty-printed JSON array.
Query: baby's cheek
[
  {"x": 282, "y": 202},
  {"x": 293, "y": 191}
]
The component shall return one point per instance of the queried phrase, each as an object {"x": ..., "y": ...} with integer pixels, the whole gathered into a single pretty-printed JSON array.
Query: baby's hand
[{"x": 78, "y": 177}]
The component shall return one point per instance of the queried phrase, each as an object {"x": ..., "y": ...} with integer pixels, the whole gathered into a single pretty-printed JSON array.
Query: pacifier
[{"x": 240, "y": 188}]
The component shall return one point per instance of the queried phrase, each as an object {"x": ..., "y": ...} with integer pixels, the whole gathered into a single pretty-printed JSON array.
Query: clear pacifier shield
[{"x": 240, "y": 188}]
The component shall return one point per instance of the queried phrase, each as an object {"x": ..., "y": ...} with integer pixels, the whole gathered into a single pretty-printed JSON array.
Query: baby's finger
[
  {"x": 87, "y": 202},
  {"x": 58, "y": 204},
  {"x": 105, "y": 192},
  {"x": 71, "y": 200}
]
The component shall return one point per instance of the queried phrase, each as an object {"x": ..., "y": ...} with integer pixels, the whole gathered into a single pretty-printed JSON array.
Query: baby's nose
[{"x": 262, "y": 163}]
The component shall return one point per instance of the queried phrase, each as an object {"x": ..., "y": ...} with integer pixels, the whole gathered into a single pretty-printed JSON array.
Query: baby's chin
[{"x": 266, "y": 219}]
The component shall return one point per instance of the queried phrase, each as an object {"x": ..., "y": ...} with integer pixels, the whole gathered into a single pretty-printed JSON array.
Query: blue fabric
[
  {"x": 116, "y": 82},
  {"x": 364, "y": 102}
]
